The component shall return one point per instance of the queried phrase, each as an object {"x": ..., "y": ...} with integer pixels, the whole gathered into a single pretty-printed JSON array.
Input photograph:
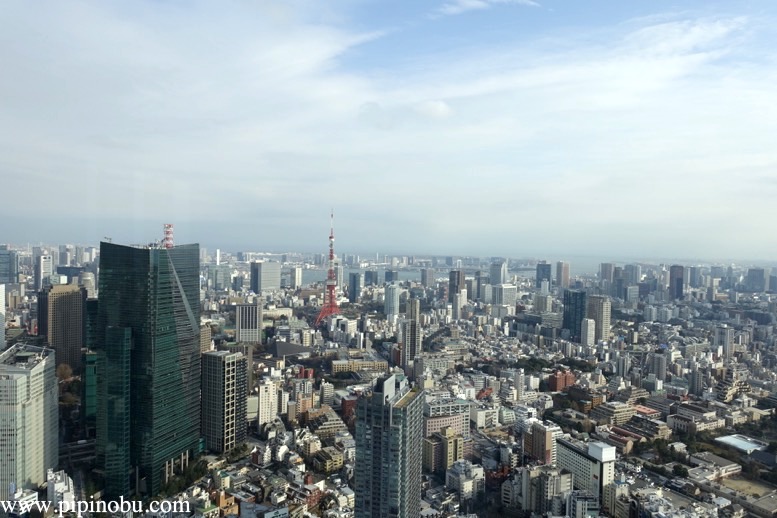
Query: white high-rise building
[
  {"x": 519, "y": 381},
  {"x": 44, "y": 267},
  {"x": 295, "y": 277},
  {"x": 391, "y": 301},
  {"x": 588, "y": 332},
  {"x": 268, "y": 402},
  {"x": 599, "y": 309},
  {"x": 724, "y": 337},
  {"x": 504, "y": 295},
  {"x": 593, "y": 464},
  {"x": 498, "y": 272},
  {"x": 29, "y": 417}
]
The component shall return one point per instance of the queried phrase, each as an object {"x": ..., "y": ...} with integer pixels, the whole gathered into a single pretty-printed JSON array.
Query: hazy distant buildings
[
  {"x": 389, "y": 445},
  {"x": 44, "y": 267},
  {"x": 427, "y": 277},
  {"x": 29, "y": 415},
  {"x": 562, "y": 274},
  {"x": 391, "y": 301},
  {"x": 456, "y": 283},
  {"x": 355, "y": 284},
  {"x": 498, "y": 272},
  {"x": 265, "y": 276},
  {"x": 295, "y": 277},
  {"x": 224, "y": 400},
  {"x": 504, "y": 295},
  {"x": 9, "y": 266},
  {"x": 543, "y": 274},
  {"x": 606, "y": 272},
  {"x": 676, "y": 275}
]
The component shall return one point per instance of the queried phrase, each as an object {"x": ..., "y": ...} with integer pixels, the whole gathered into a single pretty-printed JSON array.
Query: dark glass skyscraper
[
  {"x": 676, "y": 273},
  {"x": 543, "y": 274},
  {"x": 389, "y": 440},
  {"x": 148, "y": 365},
  {"x": 575, "y": 309}
]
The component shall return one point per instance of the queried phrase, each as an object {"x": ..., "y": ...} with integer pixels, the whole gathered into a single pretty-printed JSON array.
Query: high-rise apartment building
[
  {"x": 592, "y": 464},
  {"x": 44, "y": 267},
  {"x": 224, "y": 400},
  {"x": 29, "y": 417},
  {"x": 676, "y": 273},
  {"x": 411, "y": 335},
  {"x": 498, "y": 272},
  {"x": 724, "y": 338},
  {"x": 391, "y": 301},
  {"x": 562, "y": 274},
  {"x": 355, "y": 285},
  {"x": 148, "y": 357},
  {"x": 389, "y": 440},
  {"x": 588, "y": 332},
  {"x": 265, "y": 276},
  {"x": 268, "y": 402},
  {"x": 248, "y": 323},
  {"x": 599, "y": 309},
  {"x": 575, "y": 309},
  {"x": 543, "y": 274},
  {"x": 456, "y": 283},
  {"x": 504, "y": 295},
  {"x": 61, "y": 320},
  {"x": 540, "y": 442}
]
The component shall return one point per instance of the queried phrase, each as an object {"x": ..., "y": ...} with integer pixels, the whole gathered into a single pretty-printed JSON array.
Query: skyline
[{"x": 490, "y": 127}]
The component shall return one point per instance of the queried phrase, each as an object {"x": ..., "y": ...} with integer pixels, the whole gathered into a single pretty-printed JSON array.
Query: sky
[{"x": 472, "y": 127}]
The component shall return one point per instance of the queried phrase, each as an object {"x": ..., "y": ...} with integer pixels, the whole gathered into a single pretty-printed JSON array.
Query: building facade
[{"x": 224, "y": 399}]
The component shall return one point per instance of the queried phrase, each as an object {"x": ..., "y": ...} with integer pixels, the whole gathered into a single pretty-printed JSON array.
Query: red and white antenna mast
[
  {"x": 168, "y": 241},
  {"x": 330, "y": 299}
]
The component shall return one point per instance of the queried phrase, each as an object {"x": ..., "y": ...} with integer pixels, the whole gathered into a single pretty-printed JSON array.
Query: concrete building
[
  {"x": 265, "y": 276},
  {"x": 540, "y": 442},
  {"x": 467, "y": 479},
  {"x": 29, "y": 413},
  {"x": 599, "y": 309},
  {"x": 61, "y": 322},
  {"x": 592, "y": 464},
  {"x": 224, "y": 400},
  {"x": 268, "y": 402},
  {"x": 588, "y": 332},
  {"x": 248, "y": 323}
]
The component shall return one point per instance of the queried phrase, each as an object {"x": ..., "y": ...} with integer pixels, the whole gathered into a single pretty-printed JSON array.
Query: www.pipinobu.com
[{"x": 83, "y": 507}]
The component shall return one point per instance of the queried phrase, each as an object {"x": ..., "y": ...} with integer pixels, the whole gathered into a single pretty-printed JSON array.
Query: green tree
[{"x": 680, "y": 470}]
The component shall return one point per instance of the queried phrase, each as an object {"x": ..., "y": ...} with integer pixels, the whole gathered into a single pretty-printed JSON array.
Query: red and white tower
[
  {"x": 330, "y": 299},
  {"x": 168, "y": 241}
]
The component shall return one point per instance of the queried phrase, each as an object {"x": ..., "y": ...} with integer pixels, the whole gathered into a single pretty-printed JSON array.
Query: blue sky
[{"x": 488, "y": 127}]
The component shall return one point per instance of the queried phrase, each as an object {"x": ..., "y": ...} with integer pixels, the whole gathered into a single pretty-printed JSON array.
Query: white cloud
[{"x": 461, "y": 6}]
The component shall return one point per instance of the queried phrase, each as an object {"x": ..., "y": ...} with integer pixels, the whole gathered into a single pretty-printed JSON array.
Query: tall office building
[
  {"x": 9, "y": 266},
  {"x": 44, "y": 267},
  {"x": 61, "y": 319},
  {"x": 248, "y": 323},
  {"x": 575, "y": 308},
  {"x": 632, "y": 274},
  {"x": 599, "y": 309},
  {"x": 389, "y": 440},
  {"x": 676, "y": 281},
  {"x": 355, "y": 284},
  {"x": 456, "y": 283},
  {"x": 411, "y": 334},
  {"x": 390, "y": 276},
  {"x": 371, "y": 278},
  {"x": 295, "y": 277},
  {"x": 29, "y": 416},
  {"x": 562, "y": 274},
  {"x": 391, "y": 301},
  {"x": 659, "y": 365},
  {"x": 427, "y": 277},
  {"x": 694, "y": 277},
  {"x": 756, "y": 280},
  {"x": 498, "y": 272},
  {"x": 148, "y": 354},
  {"x": 265, "y": 276},
  {"x": 543, "y": 274},
  {"x": 588, "y": 332},
  {"x": 504, "y": 295},
  {"x": 224, "y": 400},
  {"x": 606, "y": 272},
  {"x": 540, "y": 442}
]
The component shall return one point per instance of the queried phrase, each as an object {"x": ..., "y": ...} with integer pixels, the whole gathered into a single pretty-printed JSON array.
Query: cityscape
[
  {"x": 391, "y": 386},
  {"x": 393, "y": 259}
]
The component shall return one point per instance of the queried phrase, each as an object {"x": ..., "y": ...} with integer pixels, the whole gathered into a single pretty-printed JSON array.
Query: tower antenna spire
[{"x": 330, "y": 306}]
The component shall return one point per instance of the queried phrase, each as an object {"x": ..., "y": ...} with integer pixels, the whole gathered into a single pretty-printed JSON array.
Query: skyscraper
[
  {"x": 412, "y": 333},
  {"x": 606, "y": 272},
  {"x": 29, "y": 413},
  {"x": 676, "y": 281},
  {"x": 632, "y": 274},
  {"x": 295, "y": 277},
  {"x": 588, "y": 332},
  {"x": 427, "y": 277},
  {"x": 148, "y": 347},
  {"x": 389, "y": 440},
  {"x": 355, "y": 284},
  {"x": 265, "y": 276},
  {"x": 599, "y": 309},
  {"x": 9, "y": 266},
  {"x": 61, "y": 320},
  {"x": 268, "y": 402},
  {"x": 498, "y": 272},
  {"x": 456, "y": 283},
  {"x": 543, "y": 274},
  {"x": 391, "y": 301},
  {"x": 44, "y": 267},
  {"x": 724, "y": 338},
  {"x": 575, "y": 307},
  {"x": 224, "y": 400},
  {"x": 562, "y": 274}
]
